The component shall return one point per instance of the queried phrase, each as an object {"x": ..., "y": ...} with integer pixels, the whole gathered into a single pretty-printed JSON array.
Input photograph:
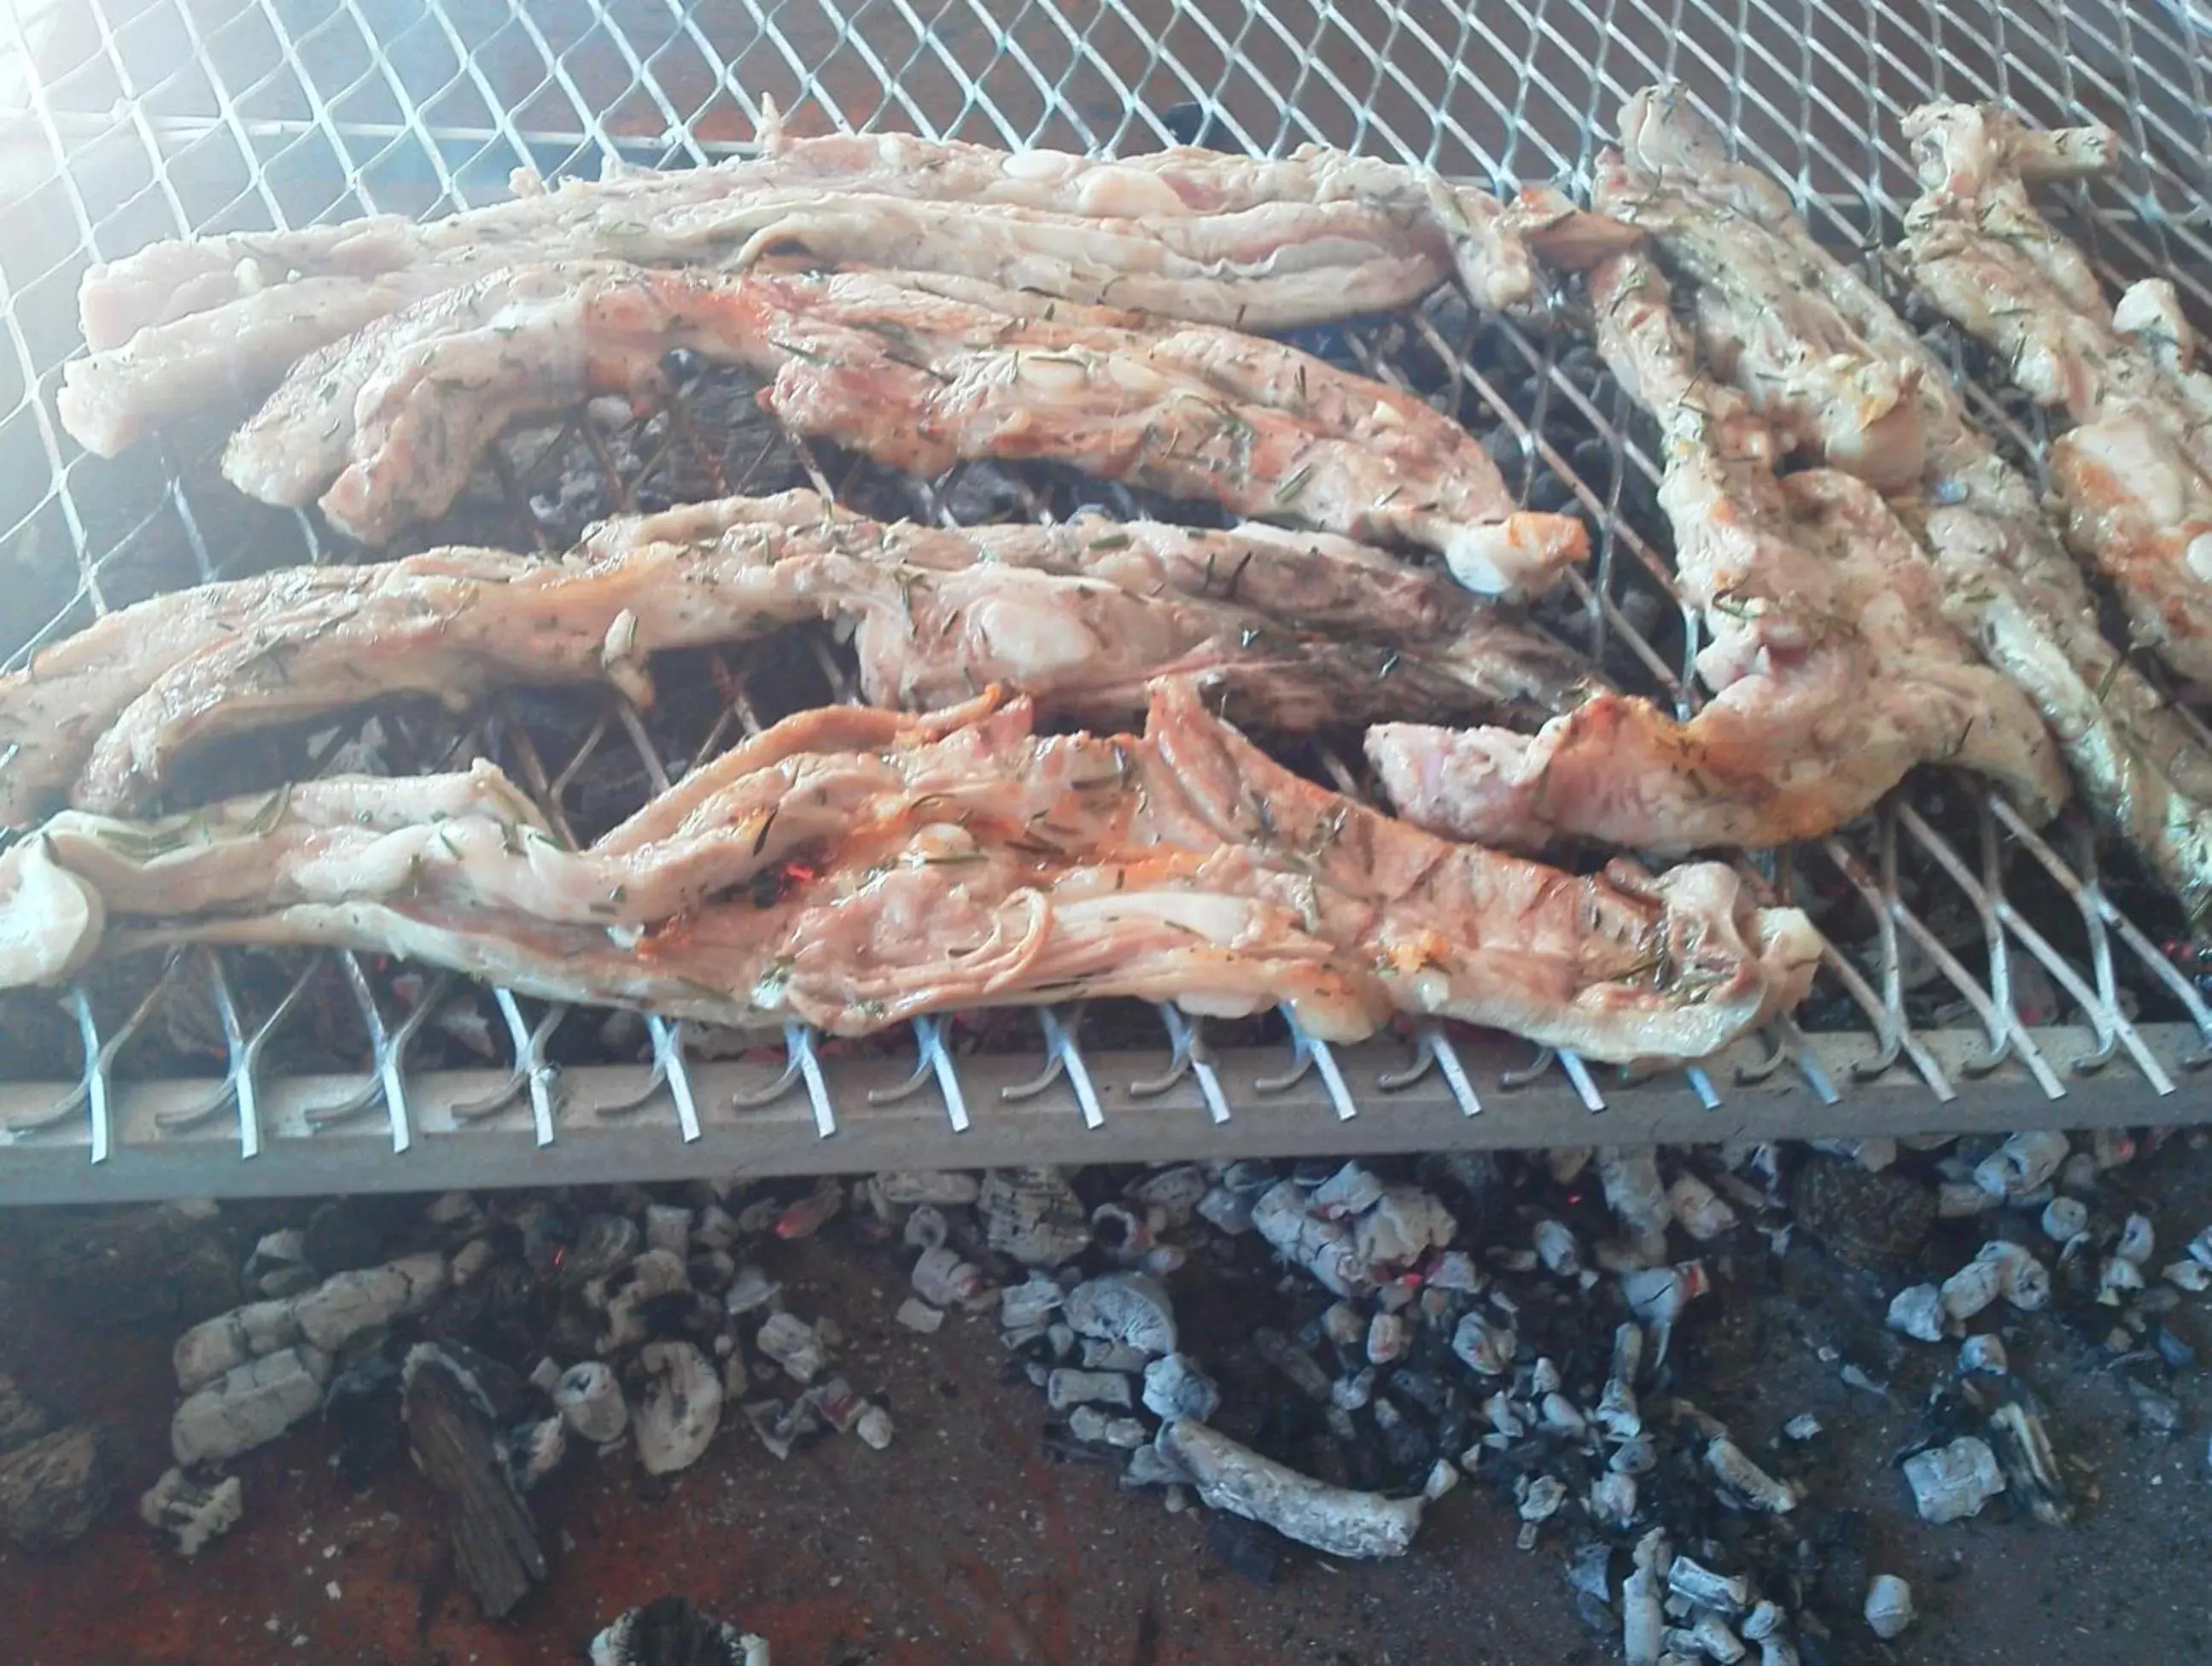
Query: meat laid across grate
[{"x": 1979, "y": 958}]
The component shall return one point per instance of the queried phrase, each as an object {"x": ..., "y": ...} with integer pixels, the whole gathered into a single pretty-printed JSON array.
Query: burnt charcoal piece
[
  {"x": 672, "y": 1631},
  {"x": 341, "y": 1236},
  {"x": 1246, "y": 1548},
  {"x": 21, "y": 1418},
  {"x": 363, "y": 1409},
  {"x": 53, "y": 1489},
  {"x": 456, "y": 1447},
  {"x": 126, "y": 1266},
  {"x": 1194, "y": 123},
  {"x": 1866, "y": 1220}
]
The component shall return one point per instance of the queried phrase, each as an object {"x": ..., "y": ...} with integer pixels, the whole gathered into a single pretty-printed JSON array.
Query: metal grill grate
[{"x": 128, "y": 120}]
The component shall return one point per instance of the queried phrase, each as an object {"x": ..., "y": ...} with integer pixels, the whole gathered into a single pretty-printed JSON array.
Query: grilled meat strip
[
  {"x": 1833, "y": 668},
  {"x": 1269, "y": 245},
  {"x": 2136, "y": 470},
  {"x": 1805, "y": 336},
  {"x": 919, "y": 866},
  {"x": 1292, "y": 631},
  {"x": 917, "y": 380}
]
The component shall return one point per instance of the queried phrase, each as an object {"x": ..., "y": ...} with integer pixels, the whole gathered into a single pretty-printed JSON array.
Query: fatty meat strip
[
  {"x": 851, "y": 868},
  {"x": 2135, "y": 470},
  {"x": 387, "y": 425},
  {"x": 1833, "y": 672},
  {"x": 1185, "y": 233},
  {"x": 1806, "y": 338},
  {"x": 1292, "y": 632}
]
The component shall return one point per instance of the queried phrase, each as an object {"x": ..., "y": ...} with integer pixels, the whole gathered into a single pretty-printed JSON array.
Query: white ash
[
  {"x": 1032, "y": 1215},
  {"x": 916, "y": 1314},
  {"x": 793, "y": 1344},
  {"x": 1031, "y": 1302},
  {"x": 1065, "y": 1388},
  {"x": 942, "y": 1279},
  {"x": 590, "y": 1400},
  {"x": 1130, "y": 1308},
  {"x": 682, "y": 1407},
  {"x": 1950, "y": 1482},
  {"x": 192, "y": 1513},
  {"x": 248, "y": 1406},
  {"x": 905, "y": 1187},
  {"x": 1889, "y": 1608},
  {"x": 1336, "y": 1521}
]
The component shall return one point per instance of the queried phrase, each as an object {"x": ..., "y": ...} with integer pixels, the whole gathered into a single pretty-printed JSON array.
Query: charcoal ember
[
  {"x": 128, "y": 1266},
  {"x": 456, "y": 1440},
  {"x": 278, "y": 1266},
  {"x": 342, "y": 1235},
  {"x": 1888, "y": 1606},
  {"x": 2017, "y": 1433},
  {"x": 53, "y": 1487},
  {"x": 362, "y": 1409},
  {"x": 346, "y": 1304},
  {"x": 1246, "y": 1548},
  {"x": 672, "y": 1631},
  {"x": 603, "y": 1244},
  {"x": 591, "y": 1401},
  {"x": 22, "y": 1417},
  {"x": 1408, "y": 1448},
  {"x": 547, "y": 1230},
  {"x": 1869, "y": 1221}
]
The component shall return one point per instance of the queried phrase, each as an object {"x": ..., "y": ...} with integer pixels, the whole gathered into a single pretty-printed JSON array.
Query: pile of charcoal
[
  {"x": 1320, "y": 1353},
  {"x": 1317, "y": 1354},
  {"x": 509, "y": 1332}
]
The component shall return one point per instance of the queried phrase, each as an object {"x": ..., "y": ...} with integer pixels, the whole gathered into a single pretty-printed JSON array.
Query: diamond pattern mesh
[{"x": 130, "y": 120}]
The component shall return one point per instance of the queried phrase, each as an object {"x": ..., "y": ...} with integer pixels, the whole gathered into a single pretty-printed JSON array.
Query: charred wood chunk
[{"x": 456, "y": 1443}]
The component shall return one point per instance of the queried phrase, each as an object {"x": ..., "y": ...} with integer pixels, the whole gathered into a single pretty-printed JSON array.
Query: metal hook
[
  {"x": 1758, "y": 1071},
  {"x": 242, "y": 1086},
  {"x": 1578, "y": 1073},
  {"x": 801, "y": 1063},
  {"x": 533, "y": 1072},
  {"x": 1528, "y": 1074},
  {"x": 1433, "y": 1050},
  {"x": 387, "y": 1075},
  {"x": 668, "y": 1047},
  {"x": 1190, "y": 1058},
  {"x": 1310, "y": 1053},
  {"x": 669, "y": 1072},
  {"x": 98, "y": 1057},
  {"x": 932, "y": 1058},
  {"x": 1062, "y": 1058},
  {"x": 1789, "y": 1044}
]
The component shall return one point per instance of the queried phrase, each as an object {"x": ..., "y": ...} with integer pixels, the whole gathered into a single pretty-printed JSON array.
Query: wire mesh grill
[{"x": 1961, "y": 940}]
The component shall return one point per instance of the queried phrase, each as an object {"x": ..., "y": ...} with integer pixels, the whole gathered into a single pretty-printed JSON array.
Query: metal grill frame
[{"x": 130, "y": 119}]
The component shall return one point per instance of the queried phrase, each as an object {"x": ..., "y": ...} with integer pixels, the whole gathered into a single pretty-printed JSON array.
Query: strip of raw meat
[
  {"x": 1184, "y": 233},
  {"x": 1833, "y": 668},
  {"x": 1290, "y": 633},
  {"x": 947, "y": 864},
  {"x": 918, "y": 381},
  {"x": 2136, "y": 470},
  {"x": 1766, "y": 318},
  {"x": 1801, "y": 331},
  {"x": 55, "y": 709}
]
